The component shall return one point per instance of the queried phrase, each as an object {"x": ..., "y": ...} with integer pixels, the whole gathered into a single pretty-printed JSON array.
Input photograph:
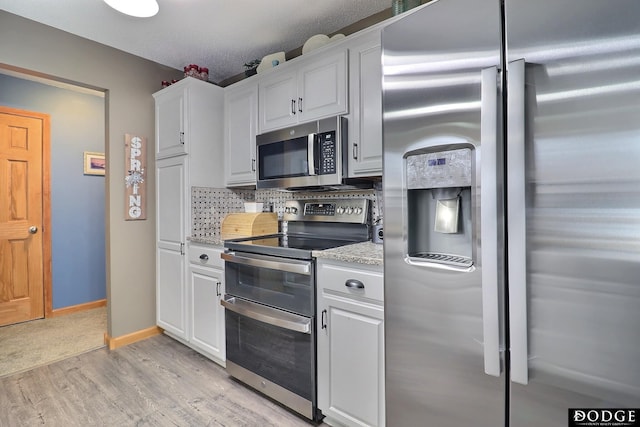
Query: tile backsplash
[{"x": 209, "y": 206}]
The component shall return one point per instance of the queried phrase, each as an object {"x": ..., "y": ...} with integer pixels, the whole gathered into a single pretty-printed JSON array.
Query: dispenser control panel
[{"x": 440, "y": 169}]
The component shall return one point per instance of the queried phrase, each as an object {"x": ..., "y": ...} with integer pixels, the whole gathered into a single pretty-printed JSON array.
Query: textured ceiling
[{"x": 220, "y": 35}]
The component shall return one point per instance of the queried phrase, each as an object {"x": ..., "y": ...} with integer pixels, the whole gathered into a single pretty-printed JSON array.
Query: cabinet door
[
  {"x": 241, "y": 120},
  {"x": 170, "y": 237},
  {"x": 365, "y": 119},
  {"x": 207, "y": 315},
  {"x": 278, "y": 100},
  {"x": 322, "y": 87},
  {"x": 170, "y": 138},
  {"x": 351, "y": 361}
]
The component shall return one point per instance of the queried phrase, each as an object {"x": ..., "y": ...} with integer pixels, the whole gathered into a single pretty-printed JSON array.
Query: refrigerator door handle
[
  {"x": 516, "y": 222},
  {"x": 489, "y": 221}
]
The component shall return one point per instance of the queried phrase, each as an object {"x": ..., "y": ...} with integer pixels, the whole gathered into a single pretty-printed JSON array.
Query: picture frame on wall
[{"x": 94, "y": 163}]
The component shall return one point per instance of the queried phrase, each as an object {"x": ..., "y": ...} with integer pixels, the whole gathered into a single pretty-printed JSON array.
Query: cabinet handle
[
  {"x": 300, "y": 105},
  {"x": 182, "y": 138},
  {"x": 293, "y": 106},
  {"x": 354, "y": 284},
  {"x": 204, "y": 257},
  {"x": 218, "y": 288},
  {"x": 181, "y": 248},
  {"x": 324, "y": 319},
  {"x": 355, "y": 151},
  {"x": 253, "y": 165}
]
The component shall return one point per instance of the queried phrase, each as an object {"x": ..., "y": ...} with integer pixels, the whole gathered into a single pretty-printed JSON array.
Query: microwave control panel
[{"x": 328, "y": 153}]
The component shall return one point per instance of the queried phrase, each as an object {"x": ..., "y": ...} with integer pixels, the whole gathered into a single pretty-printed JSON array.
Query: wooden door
[{"x": 23, "y": 148}]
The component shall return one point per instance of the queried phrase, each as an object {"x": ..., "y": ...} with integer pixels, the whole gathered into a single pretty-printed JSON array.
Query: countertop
[
  {"x": 360, "y": 253},
  {"x": 214, "y": 241}
]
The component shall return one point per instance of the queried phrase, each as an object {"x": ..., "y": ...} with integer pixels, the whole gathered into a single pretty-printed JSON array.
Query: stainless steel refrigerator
[{"x": 511, "y": 211}]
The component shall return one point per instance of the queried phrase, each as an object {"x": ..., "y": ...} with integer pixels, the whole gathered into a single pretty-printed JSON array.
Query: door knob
[{"x": 33, "y": 229}]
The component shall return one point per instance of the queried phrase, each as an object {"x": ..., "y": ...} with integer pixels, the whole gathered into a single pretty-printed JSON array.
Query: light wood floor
[{"x": 155, "y": 382}]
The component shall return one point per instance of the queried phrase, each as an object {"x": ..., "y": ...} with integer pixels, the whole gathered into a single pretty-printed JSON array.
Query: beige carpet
[{"x": 27, "y": 345}]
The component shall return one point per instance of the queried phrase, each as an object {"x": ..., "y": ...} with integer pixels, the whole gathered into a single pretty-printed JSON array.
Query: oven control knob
[
  {"x": 349, "y": 211},
  {"x": 294, "y": 210},
  {"x": 287, "y": 210},
  {"x": 358, "y": 211},
  {"x": 340, "y": 210}
]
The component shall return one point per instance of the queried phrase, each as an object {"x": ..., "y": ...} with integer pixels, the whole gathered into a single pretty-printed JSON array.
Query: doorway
[{"x": 77, "y": 268}]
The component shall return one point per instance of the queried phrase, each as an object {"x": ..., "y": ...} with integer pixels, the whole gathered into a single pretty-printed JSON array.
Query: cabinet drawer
[
  {"x": 355, "y": 281},
  {"x": 205, "y": 256}
]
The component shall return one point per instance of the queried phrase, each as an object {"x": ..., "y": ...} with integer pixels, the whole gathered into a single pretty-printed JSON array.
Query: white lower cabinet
[
  {"x": 205, "y": 289},
  {"x": 171, "y": 201},
  {"x": 350, "y": 344}
]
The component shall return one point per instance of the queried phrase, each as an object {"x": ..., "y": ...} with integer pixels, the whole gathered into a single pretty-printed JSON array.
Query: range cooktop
[
  {"x": 296, "y": 242},
  {"x": 311, "y": 225}
]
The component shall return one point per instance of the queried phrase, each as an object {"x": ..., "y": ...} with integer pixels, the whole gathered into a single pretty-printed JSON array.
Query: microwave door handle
[{"x": 311, "y": 153}]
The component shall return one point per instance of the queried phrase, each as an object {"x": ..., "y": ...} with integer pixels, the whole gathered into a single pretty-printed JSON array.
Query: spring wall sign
[{"x": 135, "y": 148}]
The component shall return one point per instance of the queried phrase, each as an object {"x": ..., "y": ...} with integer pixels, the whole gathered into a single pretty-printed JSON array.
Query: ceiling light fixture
[{"x": 137, "y": 8}]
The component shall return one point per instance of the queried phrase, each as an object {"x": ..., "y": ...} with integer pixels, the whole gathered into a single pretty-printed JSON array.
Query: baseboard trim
[
  {"x": 116, "y": 342},
  {"x": 77, "y": 308}
]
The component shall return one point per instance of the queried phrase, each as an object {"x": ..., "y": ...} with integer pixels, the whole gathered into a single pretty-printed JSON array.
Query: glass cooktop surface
[{"x": 294, "y": 242}]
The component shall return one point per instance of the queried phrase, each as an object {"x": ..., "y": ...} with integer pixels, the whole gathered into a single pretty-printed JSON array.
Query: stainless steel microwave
[{"x": 306, "y": 155}]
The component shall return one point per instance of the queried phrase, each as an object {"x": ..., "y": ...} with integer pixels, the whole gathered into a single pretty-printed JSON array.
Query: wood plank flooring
[{"x": 155, "y": 382}]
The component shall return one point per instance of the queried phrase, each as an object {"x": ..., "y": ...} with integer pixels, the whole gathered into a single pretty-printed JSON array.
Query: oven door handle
[
  {"x": 265, "y": 314},
  {"x": 291, "y": 266}
]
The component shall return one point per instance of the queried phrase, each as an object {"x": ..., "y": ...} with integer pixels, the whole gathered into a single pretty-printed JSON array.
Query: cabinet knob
[
  {"x": 354, "y": 284},
  {"x": 204, "y": 257}
]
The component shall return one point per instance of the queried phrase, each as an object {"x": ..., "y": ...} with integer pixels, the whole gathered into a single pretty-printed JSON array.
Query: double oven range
[{"x": 270, "y": 298}]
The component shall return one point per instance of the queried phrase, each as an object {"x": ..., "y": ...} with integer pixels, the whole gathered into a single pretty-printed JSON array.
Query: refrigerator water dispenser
[{"x": 439, "y": 207}]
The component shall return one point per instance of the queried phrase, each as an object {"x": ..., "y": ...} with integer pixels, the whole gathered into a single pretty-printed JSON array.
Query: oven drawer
[
  {"x": 288, "y": 284},
  {"x": 278, "y": 361},
  {"x": 345, "y": 278},
  {"x": 205, "y": 255}
]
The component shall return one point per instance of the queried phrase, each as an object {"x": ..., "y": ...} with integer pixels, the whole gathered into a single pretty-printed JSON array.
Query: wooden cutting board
[{"x": 249, "y": 224}]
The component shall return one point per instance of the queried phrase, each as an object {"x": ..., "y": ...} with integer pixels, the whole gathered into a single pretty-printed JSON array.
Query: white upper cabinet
[
  {"x": 189, "y": 120},
  {"x": 365, "y": 118},
  {"x": 304, "y": 91},
  {"x": 170, "y": 139},
  {"x": 240, "y": 127}
]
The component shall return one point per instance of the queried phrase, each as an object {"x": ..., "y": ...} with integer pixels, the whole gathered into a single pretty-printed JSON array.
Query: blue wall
[{"x": 77, "y": 200}]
